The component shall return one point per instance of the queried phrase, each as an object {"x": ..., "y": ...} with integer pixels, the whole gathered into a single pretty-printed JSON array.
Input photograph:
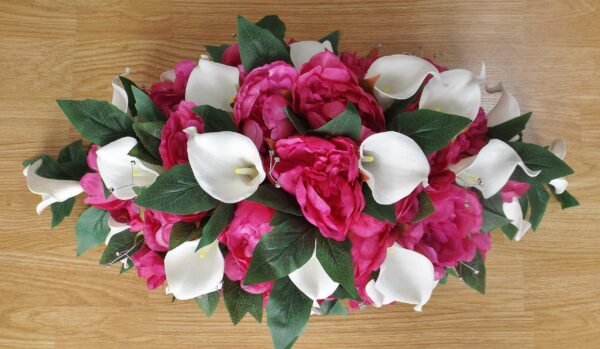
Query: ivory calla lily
[
  {"x": 302, "y": 51},
  {"x": 559, "y": 148},
  {"x": 313, "y": 280},
  {"x": 226, "y": 164},
  {"x": 191, "y": 274},
  {"x": 456, "y": 92},
  {"x": 121, "y": 172},
  {"x": 168, "y": 75},
  {"x": 512, "y": 211},
  {"x": 212, "y": 83},
  {"x": 119, "y": 97},
  {"x": 505, "y": 110},
  {"x": 394, "y": 164},
  {"x": 398, "y": 77},
  {"x": 405, "y": 276},
  {"x": 489, "y": 170},
  {"x": 51, "y": 190},
  {"x": 116, "y": 227}
]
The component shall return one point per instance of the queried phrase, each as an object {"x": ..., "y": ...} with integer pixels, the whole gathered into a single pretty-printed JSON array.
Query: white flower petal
[
  {"x": 226, "y": 164},
  {"x": 313, "y": 280},
  {"x": 457, "y": 92},
  {"x": 506, "y": 109},
  {"x": 191, "y": 274},
  {"x": 168, "y": 75},
  {"x": 51, "y": 190},
  {"x": 375, "y": 296},
  {"x": 119, "y": 97},
  {"x": 116, "y": 227},
  {"x": 559, "y": 184},
  {"x": 559, "y": 148},
  {"x": 395, "y": 166},
  {"x": 121, "y": 172},
  {"x": 512, "y": 211},
  {"x": 489, "y": 170},
  {"x": 302, "y": 51},
  {"x": 400, "y": 77},
  {"x": 405, "y": 276},
  {"x": 213, "y": 84}
]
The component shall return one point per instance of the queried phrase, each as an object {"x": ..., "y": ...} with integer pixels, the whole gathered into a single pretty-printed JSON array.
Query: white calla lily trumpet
[
  {"x": 119, "y": 97},
  {"x": 302, "y": 51},
  {"x": 313, "y": 280},
  {"x": 51, "y": 190},
  {"x": 115, "y": 227},
  {"x": 505, "y": 110},
  {"x": 227, "y": 165},
  {"x": 559, "y": 148},
  {"x": 212, "y": 83},
  {"x": 512, "y": 211},
  {"x": 394, "y": 164}
]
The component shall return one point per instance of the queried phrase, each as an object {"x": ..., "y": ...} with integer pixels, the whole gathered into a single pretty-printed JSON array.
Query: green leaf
[
  {"x": 73, "y": 159},
  {"x": 218, "y": 221},
  {"x": 208, "y": 302},
  {"x": 258, "y": 46},
  {"x": 426, "y": 207},
  {"x": 276, "y": 198},
  {"x": 138, "y": 151},
  {"x": 145, "y": 107},
  {"x": 431, "y": 130},
  {"x": 473, "y": 273},
  {"x": 492, "y": 220},
  {"x": 278, "y": 253},
  {"x": 239, "y": 302},
  {"x": 216, "y": 52},
  {"x": 299, "y": 123},
  {"x": 566, "y": 199},
  {"x": 538, "y": 201},
  {"x": 346, "y": 124},
  {"x": 98, "y": 121},
  {"x": 288, "y": 311},
  {"x": 333, "y": 307},
  {"x": 49, "y": 168},
  {"x": 127, "y": 86},
  {"x": 149, "y": 132},
  {"x": 215, "y": 120},
  {"x": 273, "y": 24},
  {"x": 510, "y": 231},
  {"x": 334, "y": 39},
  {"x": 280, "y": 217},
  {"x": 61, "y": 210},
  {"x": 376, "y": 210},
  {"x": 125, "y": 267},
  {"x": 91, "y": 229},
  {"x": 400, "y": 105},
  {"x": 182, "y": 232},
  {"x": 509, "y": 129},
  {"x": 336, "y": 259},
  {"x": 540, "y": 158},
  {"x": 176, "y": 191},
  {"x": 122, "y": 245}
]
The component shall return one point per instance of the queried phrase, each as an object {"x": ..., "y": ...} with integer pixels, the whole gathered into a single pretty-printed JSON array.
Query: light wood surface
[{"x": 542, "y": 292}]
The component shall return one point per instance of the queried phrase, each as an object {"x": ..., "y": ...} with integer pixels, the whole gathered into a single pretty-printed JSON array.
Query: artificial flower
[
  {"x": 119, "y": 97},
  {"x": 150, "y": 267},
  {"x": 158, "y": 226},
  {"x": 513, "y": 211},
  {"x": 231, "y": 56},
  {"x": 506, "y": 109},
  {"x": 313, "y": 280},
  {"x": 302, "y": 51},
  {"x": 358, "y": 64},
  {"x": 173, "y": 141},
  {"x": 212, "y": 83},
  {"x": 115, "y": 227},
  {"x": 559, "y": 148},
  {"x": 170, "y": 91}
]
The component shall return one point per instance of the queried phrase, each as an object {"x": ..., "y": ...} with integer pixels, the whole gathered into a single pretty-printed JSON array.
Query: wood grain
[{"x": 543, "y": 292}]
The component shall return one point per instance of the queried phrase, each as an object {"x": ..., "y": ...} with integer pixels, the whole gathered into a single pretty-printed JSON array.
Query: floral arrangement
[{"x": 281, "y": 175}]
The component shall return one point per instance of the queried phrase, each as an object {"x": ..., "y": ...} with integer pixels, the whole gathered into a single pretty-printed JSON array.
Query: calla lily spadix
[
  {"x": 559, "y": 148},
  {"x": 394, "y": 165},
  {"x": 227, "y": 165},
  {"x": 302, "y": 51},
  {"x": 313, "y": 280},
  {"x": 212, "y": 83},
  {"x": 405, "y": 276},
  {"x": 51, "y": 190},
  {"x": 121, "y": 172},
  {"x": 192, "y": 273},
  {"x": 512, "y": 211},
  {"x": 398, "y": 77},
  {"x": 490, "y": 169},
  {"x": 456, "y": 92},
  {"x": 505, "y": 110},
  {"x": 115, "y": 227},
  {"x": 119, "y": 97}
]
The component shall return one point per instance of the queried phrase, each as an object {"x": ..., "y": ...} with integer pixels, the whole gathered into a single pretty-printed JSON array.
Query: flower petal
[
  {"x": 559, "y": 148},
  {"x": 212, "y": 83},
  {"x": 115, "y": 228},
  {"x": 302, "y": 51},
  {"x": 168, "y": 75},
  {"x": 226, "y": 164},
  {"x": 400, "y": 77},
  {"x": 121, "y": 172},
  {"x": 119, "y": 97},
  {"x": 489, "y": 170},
  {"x": 405, "y": 276},
  {"x": 191, "y": 274},
  {"x": 395, "y": 166},
  {"x": 512, "y": 211},
  {"x": 51, "y": 190},
  {"x": 313, "y": 280},
  {"x": 506, "y": 109},
  {"x": 375, "y": 296},
  {"x": 559, "y": 185},
  {"x": 457, "y": 92}
]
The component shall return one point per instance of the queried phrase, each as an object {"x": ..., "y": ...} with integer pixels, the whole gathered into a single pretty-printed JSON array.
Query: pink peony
[
  {"x": 150, "y": 266},
  {"x": 513, "y": 189},
  {"x": 452, "y": 233},
  {"x": 358, "y": 64},
  {"x": 250, "y": 222},
  {"x": 324, "y": 177},
  {"x": 166, "y": 95},
  {"x": 259, "y": 107},
  {"x": 231, "y": 56},
  {"x": 158, "y": 226},
  {"x": 173, "y": 141},
  {"x": 324, "y": 87}
]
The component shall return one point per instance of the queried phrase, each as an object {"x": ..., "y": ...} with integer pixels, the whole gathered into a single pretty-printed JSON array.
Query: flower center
[
  {"x": 367, "y": 158},
  {"x": 246, "y": 171}
]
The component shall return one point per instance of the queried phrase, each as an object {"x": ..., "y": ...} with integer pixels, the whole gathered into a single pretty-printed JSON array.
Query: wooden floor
[{"x": 543, "y": 292}]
